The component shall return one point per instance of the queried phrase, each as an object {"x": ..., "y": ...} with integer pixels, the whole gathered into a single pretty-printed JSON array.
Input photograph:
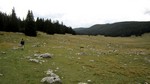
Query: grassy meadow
[{"x": 87, "y": 59}]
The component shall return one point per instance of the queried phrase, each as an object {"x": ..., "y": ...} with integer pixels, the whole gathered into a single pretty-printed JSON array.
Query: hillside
[
  {"x": 75, "y": 59},
  {"x": 116, "y": 29}
]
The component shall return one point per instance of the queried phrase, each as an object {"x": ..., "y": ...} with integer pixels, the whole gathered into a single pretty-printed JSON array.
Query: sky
[{"x": 81, "y": 13}]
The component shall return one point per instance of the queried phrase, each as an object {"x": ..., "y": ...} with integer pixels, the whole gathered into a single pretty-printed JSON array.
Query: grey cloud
[
  {"x": 50, "y": 15},
  {"x": 147, "y": 12}
]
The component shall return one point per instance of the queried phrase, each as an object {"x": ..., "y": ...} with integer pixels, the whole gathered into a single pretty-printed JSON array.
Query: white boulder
[
  {"x": 1, "y": 74},
  {"x": 34, "y": 60},
  {"x": 82, "y": 83},
  {"x": 45, "y": 55},
  {"x": 51, "y": 78}
]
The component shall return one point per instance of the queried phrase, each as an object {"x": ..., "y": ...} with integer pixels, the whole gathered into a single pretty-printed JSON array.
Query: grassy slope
[{"x": 103, "y": 60}]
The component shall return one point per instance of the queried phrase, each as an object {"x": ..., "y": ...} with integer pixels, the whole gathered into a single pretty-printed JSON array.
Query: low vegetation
[{"x": 75, "y": 59}]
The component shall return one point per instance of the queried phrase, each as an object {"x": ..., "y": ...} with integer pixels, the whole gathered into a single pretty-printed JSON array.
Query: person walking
[{"x": 22, "y": 43}]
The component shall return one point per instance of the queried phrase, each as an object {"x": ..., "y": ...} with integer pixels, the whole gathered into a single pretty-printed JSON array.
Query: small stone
[
  {"x": 146, "y": 83},
  {"x": 82, "y": 83},
  {"x": 3, "y": 52},
  {"x": 44, "y": 43},
  {"x": 57, "y": 68},
  {"x": 79, "y": 58},
  {"x": 15, "y": 48},
  {"x": 81, "y": 53},
  {"x": 46, "y": 55},
  {"x": 49, "y": 72},
  {"x": 42, "y": 60},
  {"x": 51, "y": 78},
  {"x": 89, "y": 81},
  {"x": 36, "y": 55},
  {"x": 1, "y": 74},
  {"x": 34, "y": 60},
  {"x": 83, "y": 67},
  {"x": 125, "y": 64},
  {"x": 91, "y": 60}
]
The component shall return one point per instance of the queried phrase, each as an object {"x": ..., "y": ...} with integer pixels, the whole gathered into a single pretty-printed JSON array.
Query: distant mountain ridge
[{"x": 116, "y": 29}]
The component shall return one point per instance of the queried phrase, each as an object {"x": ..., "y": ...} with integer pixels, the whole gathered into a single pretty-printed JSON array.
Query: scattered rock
[
  {"x": 57, "y": 68},
  {"x": 45, "y": 55},
  {"x": 3, "y": 52},
  {"x": 58, "y": 47},
  {"x": 91, "y": 60},
  {"x": 37, "y": 51},
  {"x": 49, "y": 71},
  {"x": 89, "y": 81},
  {"x": 36, "y": 55},
  {"x": 83, "y": 67},
  {"x": 82, "y": 83},
  {"x": 125, "y": 64},
  {"x": 51, "y": 78},
  {"x": 28, "y": 57},
  {"x": 53, "y": 64},
  {"x": 70, "y": 49},
  {"x": 15, "y": 48},
  {"x": 79, "y": 58},
  {"x": 44, "y": 44},
  {"x": 146, "y": 83},
  {"x": 36, "y": 45},
  {"x": 34, "y": 60},
  {"x": 1, "y": 74},
  {"x": 42, "y": 60},
  {"x": 81, "y": 53}
]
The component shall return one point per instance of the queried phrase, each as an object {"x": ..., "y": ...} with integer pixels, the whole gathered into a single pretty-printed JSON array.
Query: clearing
[{"x": 87, "y": 59}]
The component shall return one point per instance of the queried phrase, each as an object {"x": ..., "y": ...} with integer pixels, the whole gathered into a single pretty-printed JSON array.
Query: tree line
[{"x": 29, "y": 26}]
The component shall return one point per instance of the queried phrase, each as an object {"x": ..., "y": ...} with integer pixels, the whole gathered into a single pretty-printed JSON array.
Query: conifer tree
[
  {"x": 14, "y": 26},
  {"x": 30, "y": 29}
]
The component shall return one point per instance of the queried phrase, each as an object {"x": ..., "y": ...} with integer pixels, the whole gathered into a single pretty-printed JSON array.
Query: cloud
[
  {"x": 147, "y": 12},
  {"x": 80, "y": 13},
  {"x": 54, "y": 16}
]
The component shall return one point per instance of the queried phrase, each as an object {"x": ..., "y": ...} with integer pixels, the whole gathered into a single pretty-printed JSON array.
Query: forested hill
[{"x": 116, "y": 29}]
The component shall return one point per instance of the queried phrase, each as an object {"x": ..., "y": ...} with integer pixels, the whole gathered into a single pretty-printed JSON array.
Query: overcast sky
[{"x": 81, "y": 13}]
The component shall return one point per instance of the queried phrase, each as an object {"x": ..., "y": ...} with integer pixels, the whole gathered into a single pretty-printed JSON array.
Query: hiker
[{"x": 22, "y": 44}]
